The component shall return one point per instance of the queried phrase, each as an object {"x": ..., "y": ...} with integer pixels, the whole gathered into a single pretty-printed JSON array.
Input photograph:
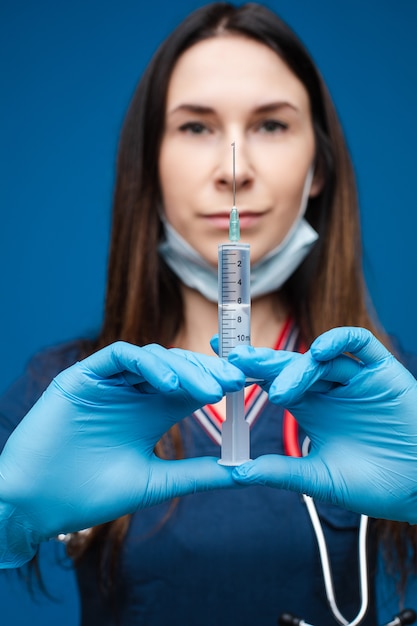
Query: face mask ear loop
[
  {"x": 306, "y": 190},
  {"x": 301, "y": 211},
  {"x": 161, "y": 212}
]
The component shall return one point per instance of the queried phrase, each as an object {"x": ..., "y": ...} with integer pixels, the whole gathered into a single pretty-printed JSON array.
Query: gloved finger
[
  {"x": 302, "y": 475},
  {"x": 358, "y": 341},
  {"x": 229, "y": 376},
  {"x": 307, "y": 374},
  {"x": 124, "y": 358},
  {"x": 214, "y": 342},
  {"x": 187, "y": 476},
  {"x": 261, "y": 363},
  {"x": 291, "y": 373},
  {"x": 205, "y": 378}
]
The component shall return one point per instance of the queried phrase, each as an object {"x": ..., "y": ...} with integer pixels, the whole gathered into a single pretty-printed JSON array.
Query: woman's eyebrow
[
  {"x": 275, "y": 106},
  {"x": 192, "y": 108}
]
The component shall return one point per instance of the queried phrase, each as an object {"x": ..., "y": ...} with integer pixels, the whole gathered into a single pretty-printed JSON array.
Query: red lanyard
[
  {"x": 290, "y": 429},
  {"x": 290, "y": 435}
]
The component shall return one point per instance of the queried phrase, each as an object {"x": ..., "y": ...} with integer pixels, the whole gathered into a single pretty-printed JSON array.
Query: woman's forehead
[{"x": 229, "y": 67}]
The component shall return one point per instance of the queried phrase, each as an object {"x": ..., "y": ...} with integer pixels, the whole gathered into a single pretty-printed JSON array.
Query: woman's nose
[{"x": 234, "y": 169}]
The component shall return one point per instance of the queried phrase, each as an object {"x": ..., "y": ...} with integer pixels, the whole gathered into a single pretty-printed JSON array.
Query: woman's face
[{"x": 232, "y": 89}]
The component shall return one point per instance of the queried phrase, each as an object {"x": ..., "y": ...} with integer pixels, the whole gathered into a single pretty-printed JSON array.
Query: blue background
[{"x": 68, "y": 70}]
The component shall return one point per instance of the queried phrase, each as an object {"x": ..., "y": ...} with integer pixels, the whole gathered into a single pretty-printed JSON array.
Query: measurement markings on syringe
[{"x": 234, "y": 297}]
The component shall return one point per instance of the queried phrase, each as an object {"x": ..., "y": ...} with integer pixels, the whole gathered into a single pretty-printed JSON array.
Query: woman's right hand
[{"x": 83, "y": 455}]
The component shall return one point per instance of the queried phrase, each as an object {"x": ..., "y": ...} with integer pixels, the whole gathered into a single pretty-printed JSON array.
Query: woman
[{"x": 225, "y": 75}]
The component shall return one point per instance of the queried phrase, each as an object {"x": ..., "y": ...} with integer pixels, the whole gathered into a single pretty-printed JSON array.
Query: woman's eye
[
  {"x": 272, "y": 126},
  {"x": 194, "y": 128}
]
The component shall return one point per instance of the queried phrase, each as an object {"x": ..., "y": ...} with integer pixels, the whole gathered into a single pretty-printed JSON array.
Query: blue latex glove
[
  {"x": 361, "y": 417},
  {"x": 83, "y": 455}
]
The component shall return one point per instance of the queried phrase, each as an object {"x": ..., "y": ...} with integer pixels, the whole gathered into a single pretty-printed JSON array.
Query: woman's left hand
[{"x": 360, "y": 415}]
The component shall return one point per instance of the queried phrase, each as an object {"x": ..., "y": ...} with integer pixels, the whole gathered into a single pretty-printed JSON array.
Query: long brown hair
[{"x": 143, "y": 302}]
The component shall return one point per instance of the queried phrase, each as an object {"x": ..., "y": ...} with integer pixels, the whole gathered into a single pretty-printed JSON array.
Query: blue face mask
[{"x": 268, "y": 275}]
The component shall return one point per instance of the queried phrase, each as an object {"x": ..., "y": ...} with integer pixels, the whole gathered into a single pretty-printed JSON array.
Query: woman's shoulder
[
  {"x": 408, "y": 359},
  {"x": 44, "y": 365},
  {"x": 39, "y": 372}
]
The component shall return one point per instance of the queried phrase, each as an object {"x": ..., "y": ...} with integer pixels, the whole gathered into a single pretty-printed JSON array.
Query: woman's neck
[{"x": 268, "y": 315}]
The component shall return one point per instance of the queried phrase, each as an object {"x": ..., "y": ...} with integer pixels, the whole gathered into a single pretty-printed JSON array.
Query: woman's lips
[{"x": 247, "y": 219}]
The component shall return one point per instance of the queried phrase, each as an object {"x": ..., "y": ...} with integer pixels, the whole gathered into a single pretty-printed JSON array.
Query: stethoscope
[{"x": 407, "y": 616}]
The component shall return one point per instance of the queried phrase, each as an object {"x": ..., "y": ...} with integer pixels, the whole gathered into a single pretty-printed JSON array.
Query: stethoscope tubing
[
  {"x": 326, "y": 568},
  {"x": 292, "y": 448}
]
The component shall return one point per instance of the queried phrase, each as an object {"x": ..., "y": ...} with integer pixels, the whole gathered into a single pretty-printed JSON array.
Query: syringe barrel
[{"x": 234, "y": 296}]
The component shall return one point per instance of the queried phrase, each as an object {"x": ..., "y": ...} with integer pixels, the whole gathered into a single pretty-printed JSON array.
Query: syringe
[{"x": 234, "y": 329}]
